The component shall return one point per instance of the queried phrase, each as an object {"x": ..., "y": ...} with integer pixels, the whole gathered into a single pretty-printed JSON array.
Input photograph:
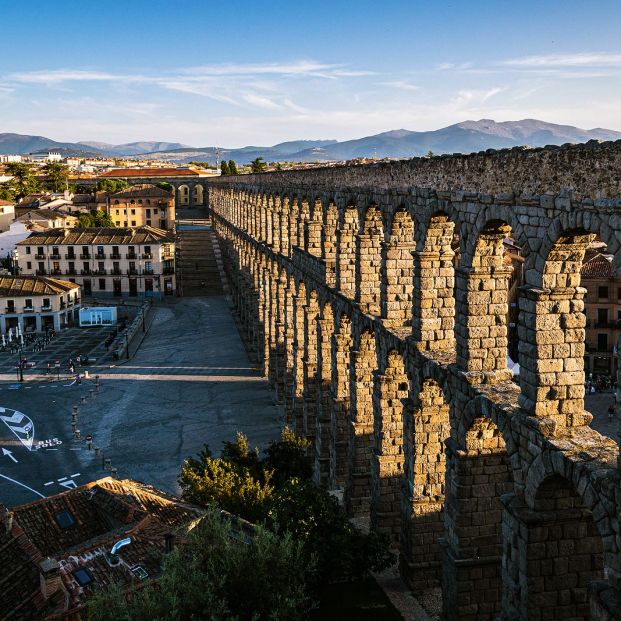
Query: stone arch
[
  {"x": 311, "y": 316},
  {"x": 183, "y": 195},
  {"x": 329, "y": 241},
  {"x": 361, "y": 432},
  {"x": 198, "y": 195},
  {"x": 304, "y": 215},
  {"x": 284, "y": 215},
  {"x": 434, "y": 282},
  {"x": 479, "y": 473},
  {"x": 427, "y": 427},
  {"x": 314, "y": 228},
  {"x": 299, "y": 346},
  {"x": 555, "y": 555},
  {"x": 391, "y": 388},
  {"x": 552, "y": 324},
  {"x": 346, "y": 251},
  {"x": 482, "y": 300},
  {"x": 296, "y": 228},
  {"x": 339, "y": 436},
  {"x": 397, "y": 284},
  {"x": 369, "y": 260}
]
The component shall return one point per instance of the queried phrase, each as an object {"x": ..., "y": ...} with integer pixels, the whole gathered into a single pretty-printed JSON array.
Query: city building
[
  {"x": 141, "y": 205},
  {"x": 7, "y": 214},
  {"x": 120, "y": 262},
  {"x": 16, "y": 233},
  {"x": 58, "y": 552},
  {"x": 49, "y": 218},
  {"x": 35, "y": 303}
]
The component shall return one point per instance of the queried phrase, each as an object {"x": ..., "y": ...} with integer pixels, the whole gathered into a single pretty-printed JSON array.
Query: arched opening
[
  {"x": 478, "y": 474},
  {"x": 369, "y": 261},
  {"x": 295, "y": 230},
  {"x": 556, "y": 553},
  {"x": 397, "y": 282},
  {"x": 183, "y": 194},
  {"x": 299, "y": 345},
  {"x": 427, "y": 427},
  {"x": 341, "y": 354},
  {"x": 346, "y": 253},
  {"x": 284, "y": 226},
  {"x": 329, "y": 242},
  {"x": 553, "y": 323},
  {"x": 361, "y": 438},
  {"x": 324, "y": 372},
  {"x": 197, "y": 195},
  {"x": 434, "y": 281},
  {"x": 311, "y": 315},
  {"x": 313, "y": 229},
  {"x": 303, "y": 220},
  {"x": 391, "y": 388}
]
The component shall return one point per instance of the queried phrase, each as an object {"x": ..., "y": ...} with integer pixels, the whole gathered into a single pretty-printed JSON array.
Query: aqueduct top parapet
[{"x": 585, "y": 171}]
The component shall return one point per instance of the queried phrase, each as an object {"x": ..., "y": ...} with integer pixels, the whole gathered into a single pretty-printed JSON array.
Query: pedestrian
[
  {"x": 49, "y": 368},
  {"x": 78, "y": 379},
  {"x": 611, "y": 412}
]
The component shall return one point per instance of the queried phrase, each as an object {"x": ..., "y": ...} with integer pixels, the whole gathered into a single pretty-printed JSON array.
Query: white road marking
[
  {"x": 62, "y": 479},
  {"x": 34, "y": 491},
  {"x": 75, "y": 449},
  {"x": 70, "y": 484},
  {"x": 49, "y": 449},
  {"x": 77, "y": 474},
  {"x": 48, "y": 483}
]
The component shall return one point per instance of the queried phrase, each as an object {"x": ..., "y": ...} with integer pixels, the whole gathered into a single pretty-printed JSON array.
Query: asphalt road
[{"x": 190, "y": 383}]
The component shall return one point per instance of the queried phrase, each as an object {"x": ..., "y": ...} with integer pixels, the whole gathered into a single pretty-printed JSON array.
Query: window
[
  {"x": 140, "y": 201},
  {"x": 56, "y": 267},
  {"x": 147, "y": 249},
  {"x": 83, "y": 577},
  {"x": 40, "y": 250},
  {"x": 29, "y": 265},
  {"x": 64, "y": 519},
  {"x": 148, "y": 266},
  {"x": 115, "y": 251},
  {"x": 602, "y": 342},
  {"x": 28, "y": 304},
  {"x": 100, "y": 266},
  {"x": 27, "y": 249},
  {"x": 148, "y": 213},
  {"x": 102, "y": 284},
  {"x": 133, "y": 222},
  {"x": 133, "y": 212},
  {"x": 148, "y": 284},
  {"x": 118, "y": 212},
  {"x": 602, "y": 315},
  {"x": 85, "y": 251},
  {"x": 148, "y": 222},
  {"x": 41, "y": 269},
  {"x": 85, "y": 267},
  {"x": 602, "y": 291},
  {"x": 71, "y": 269},
  {"x": 55, "y": 250},
  {"x": 100, "y": 249},
  {"x": 70, "y": 251},
  {"x": 10, "y": 306},
  {"x": 125, "y": 223},
  {"x": 132, "y": 201},
  {"x": 148, "y": 201},
  {"x": 46, "y": 303},
  {"x": 116, "y": 202}
]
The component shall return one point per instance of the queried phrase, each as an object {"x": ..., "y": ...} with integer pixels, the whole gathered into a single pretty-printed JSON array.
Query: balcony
[
  {"x": 86, "y": 272},
  {"x": 132, "y": 256},
  {"x": 148, "y": 272},
  {"x": 39, "y": 256},
  {"x": 116, "y": 271},
  {"x": 147, "y": 255},
  {"x": 115, "y": 256},
  {"x": 71, "y": 256},
  {"x": 71, "y": 271},
  {"x": 132, "y": 271},
  {"x": 10, "y": 310},
  {"x": 168, "y": 270},
  {"x": 62, "y": 305},
  {"x": 85, "y": 256},
  {"x": 56, "y": 272},
  {"x": 100, "y": 272},
  {"x": 56, "y": 257},
  {"x": 40, "y": 272},
  {"x": 46, "y": 308},
  {"x": 99, "y": 256},
  {"x": 28, "y": 309}
]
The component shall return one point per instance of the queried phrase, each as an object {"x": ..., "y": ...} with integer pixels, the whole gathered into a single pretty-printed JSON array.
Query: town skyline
[{"x": 263, "y": 75}]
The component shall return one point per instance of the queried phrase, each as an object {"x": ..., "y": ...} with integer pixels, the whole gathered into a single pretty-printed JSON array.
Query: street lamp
[
  {"x": 127, "y": 343},
  {"x": 20, "y": 368}
]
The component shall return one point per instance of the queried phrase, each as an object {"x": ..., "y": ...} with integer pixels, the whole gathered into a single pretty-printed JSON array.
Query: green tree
[
  {"x": 258, "y": 165},
  {"x": 112, "y": 185},
  {"x": 85, "y": 220},
  {"x": 95, "y": 217},
  {"x": 24, "y": 182},
  {"x": 214, "y": 577},
  {"x": 56, "y": 176},
  {"x": 164, "y": 185},
  {"x": 7, "y": 191},
  {"x": 233, "y": 168},
  {"x": 224, "y": 168},
  {"x": 430, "y": 153}
]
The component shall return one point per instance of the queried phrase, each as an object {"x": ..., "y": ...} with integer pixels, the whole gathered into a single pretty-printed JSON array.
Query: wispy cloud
[
  {"x": 584, "y": 59},
  {"x": 401, "y": 85},
  {"x": 60, "y": 75}
]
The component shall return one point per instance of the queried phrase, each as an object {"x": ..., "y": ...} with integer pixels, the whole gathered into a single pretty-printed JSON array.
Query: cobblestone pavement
[{"x": 597, "y": 404}]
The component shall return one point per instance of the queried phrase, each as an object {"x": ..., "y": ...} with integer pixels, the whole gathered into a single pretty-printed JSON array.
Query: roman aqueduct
[{"x": 376, "y": 299}]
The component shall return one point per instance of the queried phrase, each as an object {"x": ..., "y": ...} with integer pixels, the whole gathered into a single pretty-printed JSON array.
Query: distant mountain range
[{"x": 464, "y": 137}]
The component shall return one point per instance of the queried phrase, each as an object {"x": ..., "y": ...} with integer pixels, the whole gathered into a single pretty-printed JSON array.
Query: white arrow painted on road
[
  {"x": 9, "y": 454},
  {"x": 24, "y": 434},
  {"x": 70, "y": 484},
  {"x": 16, "y": 418}
]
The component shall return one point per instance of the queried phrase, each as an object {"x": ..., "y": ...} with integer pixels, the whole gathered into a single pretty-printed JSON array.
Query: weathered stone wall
[{"x": 375, "y": 297}]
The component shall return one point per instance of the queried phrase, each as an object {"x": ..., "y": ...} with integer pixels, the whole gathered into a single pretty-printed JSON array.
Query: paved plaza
[{"x": 189, "y": 383}]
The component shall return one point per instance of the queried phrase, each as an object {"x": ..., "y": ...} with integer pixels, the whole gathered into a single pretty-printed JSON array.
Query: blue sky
[{"x": 237, "y": 73}]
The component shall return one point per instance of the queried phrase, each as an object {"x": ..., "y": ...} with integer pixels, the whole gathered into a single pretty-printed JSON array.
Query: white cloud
[
  {"x": 401, "y": 85},
  {"x": 583, "y": 59}
]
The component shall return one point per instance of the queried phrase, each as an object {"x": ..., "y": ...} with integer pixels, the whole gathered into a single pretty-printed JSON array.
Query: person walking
[
  {"x": 49, "y": 368},
  {"x": 78, "y": 378}
]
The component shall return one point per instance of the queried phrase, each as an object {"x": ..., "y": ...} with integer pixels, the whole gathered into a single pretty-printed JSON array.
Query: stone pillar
[
  {"x": 329, "y": 244},
  {"x": 297, "y": 404},
  {"x": 289, "y": 351},
  {"x": 341, "y": 346},
  {"x": 481, "y": 332},
  {"x": 313, "y": 237},
  {"x": 346, "y": 260},
  {"x": 434, "y": 304},
  {"x": 396, "y": 285},
  {"x": 310, "y": 369},
  {"x": 368, "y": 274},
  {"x": 324, "y": 370},
  {"x": 361, "y": 433},
  {"x": 284, "y": 228},
  {"x": 551, "y": 335}
]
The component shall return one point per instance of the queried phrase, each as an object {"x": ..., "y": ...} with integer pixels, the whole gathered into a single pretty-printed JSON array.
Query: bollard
[
  {"x": 74, "y": 418},
  {"x": 75, "y": 410},
  {"x": 107, "y": 463},
  {"x": 96, "y": 380},
  {"x": 92, "y": 392},
  {"x": 74, "y": 426},
  {"x": 113, "y": 472},
  {"x": 83, "y": 399},
  {"x": 77, "y": 434},
  {"x": 97, "y": 451}
]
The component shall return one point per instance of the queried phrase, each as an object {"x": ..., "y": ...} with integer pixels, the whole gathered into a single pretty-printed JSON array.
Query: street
[{"x": 190, "y": 383}]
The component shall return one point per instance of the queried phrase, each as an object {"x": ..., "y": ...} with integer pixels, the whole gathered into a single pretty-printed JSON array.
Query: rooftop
[
  {"x": 143, "y": 189},
  {"x": 98, "y": 235},
  {"x": 123, "y": 173},
  {"x": 597, "y": 265},
  {"x": 17, "y": 286},
  {"x": 62, "y": 544}
]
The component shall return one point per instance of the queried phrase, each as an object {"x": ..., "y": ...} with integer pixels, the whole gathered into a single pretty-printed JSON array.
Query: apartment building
[
  {"x": 35, "y": 303},
  {"x": 141, "y": 205},
  {"x": 119, "y": 262}
]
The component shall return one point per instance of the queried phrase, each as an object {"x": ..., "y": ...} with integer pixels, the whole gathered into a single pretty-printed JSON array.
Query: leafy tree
[
  {"x": 57, "y": 175},
  {"x": 165, "y": 186},
  {"x": 85, "y": 220},
  {"x": 430, "y": 153},
  {"x": 224, "y": 168},
  {"x": 7, "y": 191},
  {"x": 233, "y": 168},
  {"x": 278, "y": 490},
  {"x": 258, "y": 165},
  {"x": 24, "y": 182},
  {"x": 213, "y": 577},
  {"x": 95, "y": 217},
  {"x": 112, "y": 185}
]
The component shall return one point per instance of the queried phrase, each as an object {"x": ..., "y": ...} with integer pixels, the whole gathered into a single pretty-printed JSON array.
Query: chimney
[
  {"x": 169, "y": 543},
  {"x": 49, "y": 577}
]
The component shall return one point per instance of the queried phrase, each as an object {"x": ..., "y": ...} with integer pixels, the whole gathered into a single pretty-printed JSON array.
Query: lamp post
[
  {"x": 20, "y": 368},
  {"x": 127, "y": 343}
]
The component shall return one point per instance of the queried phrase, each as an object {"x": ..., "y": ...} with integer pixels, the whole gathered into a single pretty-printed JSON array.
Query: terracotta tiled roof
[
  {"x": 143, "y": 189},
  {"x": 4, "y": 203},
  {"x": 18, "y": 286},
  {"x": 95, "y": 235},
  {"x": 596, "y": 265},
  {"x": 96, "y": 516},
  {"x": 123, "y": 173}
]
